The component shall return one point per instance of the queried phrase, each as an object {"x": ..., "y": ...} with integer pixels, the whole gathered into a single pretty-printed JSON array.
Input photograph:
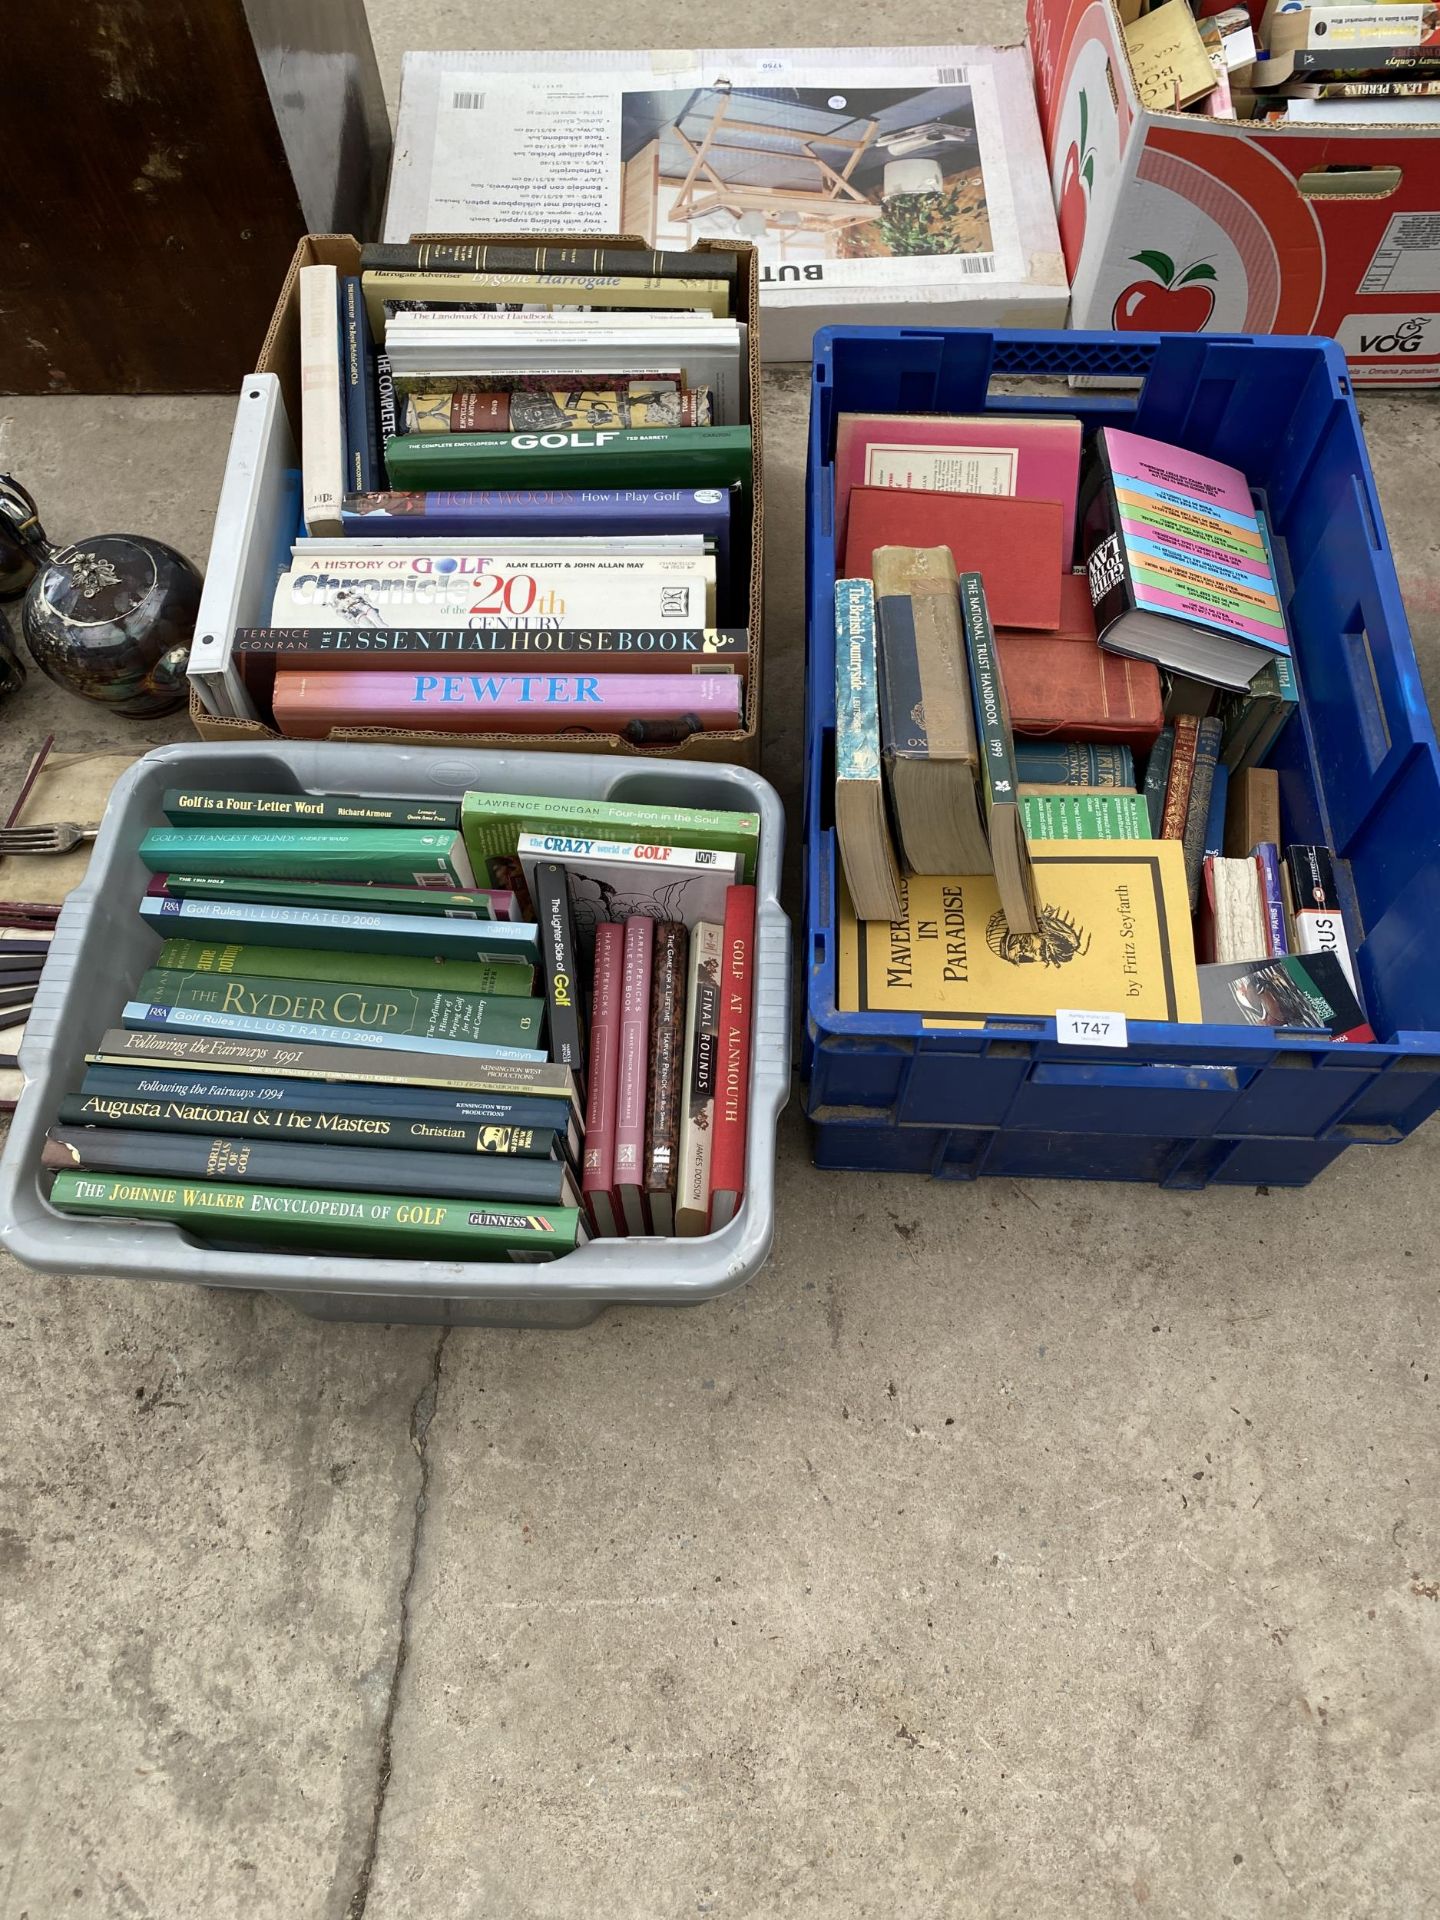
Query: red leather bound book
[
  {"x": 732, "y": 1091},
  {"x": 597, "y": 1180},
  {"x": 1014, "y": 545},
  {"x": 1062, "y": 687}
]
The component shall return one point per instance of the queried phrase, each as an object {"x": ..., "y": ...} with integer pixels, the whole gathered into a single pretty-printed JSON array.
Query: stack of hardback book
[
  {"x": 1042, "y": 647},
  {"x": 477, "y": 1029},
  {"x": 526, "y": 476}
]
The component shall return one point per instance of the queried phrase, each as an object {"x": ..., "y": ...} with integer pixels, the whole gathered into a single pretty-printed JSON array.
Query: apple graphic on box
[
  {"x": 1077, "y": 181},
  {"x": 1171, "y": 302}
]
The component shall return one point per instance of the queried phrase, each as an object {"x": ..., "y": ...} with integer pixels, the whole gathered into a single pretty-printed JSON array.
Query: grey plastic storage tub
[{"x": 101, "y": 947}]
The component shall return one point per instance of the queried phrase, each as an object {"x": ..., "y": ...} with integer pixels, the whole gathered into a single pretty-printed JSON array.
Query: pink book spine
[
  {"x": 634, "y": 1060},
  {"x": 597, "y": 1179},
  {"x": 308, "y": 705},
  {"x": 732, "y": 1091},
  {"x": 1190, "y": 477}
]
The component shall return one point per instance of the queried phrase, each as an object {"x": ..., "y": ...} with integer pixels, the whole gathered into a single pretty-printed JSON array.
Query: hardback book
[
  {"x": 617, "y": 457},
  {"x": 308, "y": 1162},
  {"x": 362, "y": 420},
  {"x": 168, "y": 1016},
  {"x": 1157, "y": 778},
  {"x": 1179, "y": 571},
  {"x": 1059, "y": 687},
  {"x": 709, "y": 356},
  {"x": 668, "y": 978},
  {"x": 992, "y": 453},
  {"x": 1183, "y": 695},
  {"x": 1254, "y": 719},
  {"x": 608, "y": 511},
  {"x": 515, "y": 380},
  {"x": 1112, "y": 933},
  {"x": 1232, "y": 924},
  {"x": 1077, "y": 615},
  {"x": 1074, "y": 763},
  {"x": 621, "y": 880},
  {"x": 732, "y": 1067},
  {"x": 459, "y": 649},
  {"x": 1253, "y": 812},
  {"x": 646, "y": 709},
  {"x": 416, "y": 1226},
  {"x": 194, "y": 806},
  {"x": 589, "y": 590},
  {"x": 697, "y": 1111},
  {"x": 479, "y": 256},
  {"x": 349, "y": 966},
  {"x": 1215, "y": 819},
  {"x": 381, "y": 1076},
  {"x": 1015, "y": 545},
  {"x": 1168, "y": 58},
  {"x": 1197, "y": 806},
  {"x": 1308, "y": 992},
  {"x": 999, "y": 775},
  {"x": 322, "y": 454},
  {"x": 493, "y": 823},
  {"x": 418, "y": 856},
  {"x": 862, "y": 822},
  {"x": 187, "y": 1114},
  {"x": 564, "y": 1006},
  {"x": 1312, "y": 877},
  {"x": 1085, "y": 816},
  {"x": 456, "y": 903},
  {"x": 633, "y": 404},
  {"x": 1181, "y": 776},
  {"x": 636, "y": 964},
  {"x": 927, "y": 722},
  {"x": 430, "y": 1013},
  {"x": 385, "y": 409},
  {"x": 1329, "y": 28},
  {"x": 509, "y": 946},
  {"x": 594, "y": 291},
  {"x": 1267, "y": 867},
  {"x": 597, "y": 1180}
]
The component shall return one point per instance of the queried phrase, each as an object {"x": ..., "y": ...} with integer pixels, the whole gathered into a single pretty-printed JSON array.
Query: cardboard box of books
[
  {"x": 1187, "y": 222},
  {"x": 328, "y": 659},
  {"x": 883, "y": 185}
]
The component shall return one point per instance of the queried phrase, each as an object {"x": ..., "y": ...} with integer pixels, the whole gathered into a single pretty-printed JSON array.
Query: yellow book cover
[{"x": 1115, "y": 937}]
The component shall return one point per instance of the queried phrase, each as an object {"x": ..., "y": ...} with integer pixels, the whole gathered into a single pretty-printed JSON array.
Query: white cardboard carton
[{"x": 881, "y": 185}]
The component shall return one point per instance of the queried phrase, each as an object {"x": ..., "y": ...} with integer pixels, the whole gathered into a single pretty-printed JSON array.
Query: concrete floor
[{"x": 1003, "y": 1550}]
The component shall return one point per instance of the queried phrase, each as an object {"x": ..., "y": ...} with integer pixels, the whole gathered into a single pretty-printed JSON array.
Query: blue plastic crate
[{"x": 1183, "y": 1106}]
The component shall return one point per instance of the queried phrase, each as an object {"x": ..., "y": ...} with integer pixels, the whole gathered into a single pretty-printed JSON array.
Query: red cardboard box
[{"x": 1176, "y": 223}]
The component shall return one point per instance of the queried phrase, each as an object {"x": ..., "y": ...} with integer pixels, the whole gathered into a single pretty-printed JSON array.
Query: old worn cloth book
[
  {"x": 1014, "y": 545},
  {"x": 1071, "y": 690},
  {"x": 1232, "y": 923},
  {"x": 927, "y": 720},
  {"x": 1252, "y": 815},
  {"x": 1112, "y": 933},
  {"x": 862, "y": 825}
]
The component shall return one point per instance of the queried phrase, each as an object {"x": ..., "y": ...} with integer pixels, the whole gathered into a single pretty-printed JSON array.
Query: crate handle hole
[{"x": 1349, "y": 183}]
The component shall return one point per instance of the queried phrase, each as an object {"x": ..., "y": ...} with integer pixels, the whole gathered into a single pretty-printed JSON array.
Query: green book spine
[
  {"x": 998, "y": 775},
  {"x": 622, "y": 457},
  {"x": 362, "y": 1223},
  {"x": 493, "y": 823},
  {"x": 427, "y": 1014},
  {"x": 310, "y": 853},
  {"x": 476, "y": 903},
  {"x": 1157, "y": 778},
  {"x": 1085, "y": 816},
  {"x": 361, "y": 969},
  {"x": 194, "y": 806}
]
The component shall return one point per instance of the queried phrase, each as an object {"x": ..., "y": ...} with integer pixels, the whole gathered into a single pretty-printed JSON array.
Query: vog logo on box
[{"x": 1415, "y": 335}]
